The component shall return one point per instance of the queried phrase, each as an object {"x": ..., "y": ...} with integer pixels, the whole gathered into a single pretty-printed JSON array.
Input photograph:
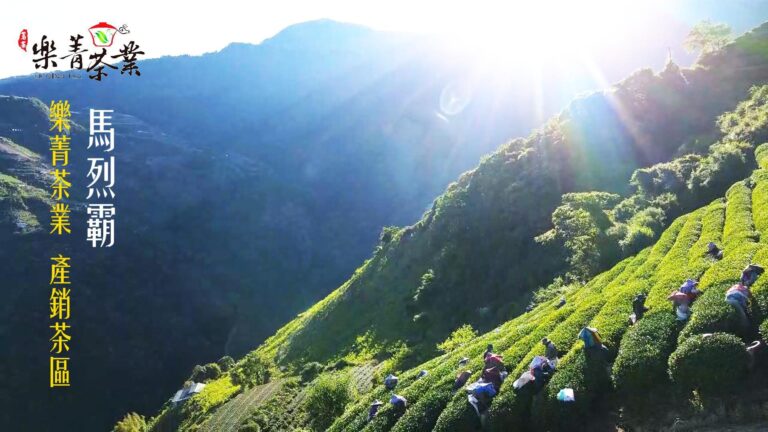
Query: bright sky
[{"x": 185, "y": 27}]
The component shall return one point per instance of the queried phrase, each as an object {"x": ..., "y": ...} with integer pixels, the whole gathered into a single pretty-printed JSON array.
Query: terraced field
[
  {"x": 229, "y": 416},
  {"x": 638, "y": 361},
  {"x": 362, "y": 377}
]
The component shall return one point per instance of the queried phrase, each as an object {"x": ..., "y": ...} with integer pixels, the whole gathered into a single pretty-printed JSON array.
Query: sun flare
[{"x": 537, "y": 33}]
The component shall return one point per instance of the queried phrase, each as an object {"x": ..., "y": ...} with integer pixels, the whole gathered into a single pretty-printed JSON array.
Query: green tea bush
[
  {"x": 759, "y": 303},
  {"x": 588, "y": 377},
  {"x": 760, "y": 200},
  {"x": 386, "y": 417},
  {"x": 507, "y": 405},
  {"x": 728, "y": 270},
  {"x": 641, "y": 363},
  {"x": 712, "y": 224},
  {"x": 739, "y": 226},
  {"x": 711, "y": 364},
  {"x": 761, "y": 155},
  {"x": 425, "y": 401},
  {"x": 355, "y": 416},
  {"x": 423, "y": 415},
  {"x": 459, "y": 414},
  {"x": 764, "y": 329}
]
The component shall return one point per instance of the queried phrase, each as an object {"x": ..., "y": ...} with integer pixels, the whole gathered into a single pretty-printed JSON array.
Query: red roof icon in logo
[{"x": 102, "y": 34}]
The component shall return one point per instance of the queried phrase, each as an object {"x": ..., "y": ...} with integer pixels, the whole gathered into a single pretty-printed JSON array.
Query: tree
[
  {"x": 707, "y": 36},
  {"x": 310, "y": 371},
  {"x": 226, "y": 363},
  {"x": 581, "y": 224},
  {"x": 205, "y": 373},
  {"x": 326, "y": 399},
  {"x": 252, "y": 370},
  {"x": 459, "y": 337},
  {"x": 132, "y": 422},
  {"x": 388, "y": 233},
  {"x": 198, "y": 374},
  {"x": 425, "y": 289}
]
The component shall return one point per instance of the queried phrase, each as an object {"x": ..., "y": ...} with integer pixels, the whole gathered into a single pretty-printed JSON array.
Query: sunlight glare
[{"x": 505, "y": 34}]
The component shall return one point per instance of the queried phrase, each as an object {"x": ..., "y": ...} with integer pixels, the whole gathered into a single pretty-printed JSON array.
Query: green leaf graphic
[{"x": 102, "y": 37}]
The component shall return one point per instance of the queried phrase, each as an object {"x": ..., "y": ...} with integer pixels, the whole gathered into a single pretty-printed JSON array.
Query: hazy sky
[{"x": 176, "y": 27}]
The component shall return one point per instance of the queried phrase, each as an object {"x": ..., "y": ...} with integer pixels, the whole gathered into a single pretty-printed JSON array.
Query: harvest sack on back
[{"x": 566, "y": 395}]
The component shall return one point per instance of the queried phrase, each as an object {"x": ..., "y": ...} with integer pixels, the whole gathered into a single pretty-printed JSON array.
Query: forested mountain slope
[{"x": 473, "y": 258}]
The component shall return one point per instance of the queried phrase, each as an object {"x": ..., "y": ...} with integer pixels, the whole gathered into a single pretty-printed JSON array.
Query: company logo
[
  {"x": 96, "y": 61},
  {"x": 102, "y": 34}
]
